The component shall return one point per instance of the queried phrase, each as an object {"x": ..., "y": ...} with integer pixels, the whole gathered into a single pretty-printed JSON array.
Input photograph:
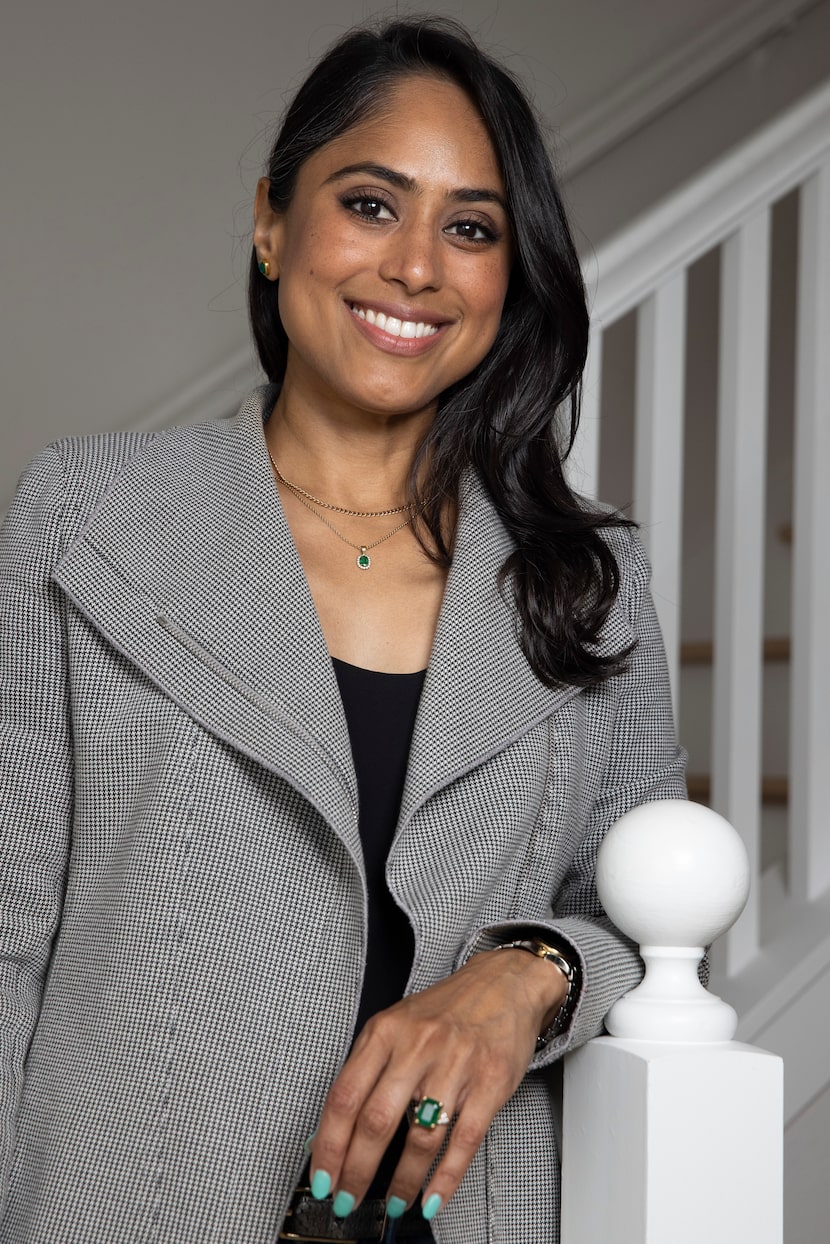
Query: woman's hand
[{"x": 466, "y": 1042}]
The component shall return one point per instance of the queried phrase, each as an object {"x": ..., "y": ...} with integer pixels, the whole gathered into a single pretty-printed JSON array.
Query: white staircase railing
[{"x": 779, "y": 950}]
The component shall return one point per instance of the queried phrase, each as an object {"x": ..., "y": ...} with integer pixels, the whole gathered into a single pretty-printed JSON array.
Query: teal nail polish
[
  {"x": 395, "y": 1207},
  {"x": 343, "y": 1204},
  {"x": 431, "y": 1206},
  {"x": 321, "y": 1185},
  {"x": 307, "y": 1143}
]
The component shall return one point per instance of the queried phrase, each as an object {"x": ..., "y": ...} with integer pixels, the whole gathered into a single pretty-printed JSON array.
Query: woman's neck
[{"x": 360, "y": 460}]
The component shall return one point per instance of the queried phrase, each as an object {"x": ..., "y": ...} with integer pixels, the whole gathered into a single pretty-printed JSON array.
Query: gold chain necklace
[
  {"x": 326, "y": 505},
  {"x": 363, "y": 559}
]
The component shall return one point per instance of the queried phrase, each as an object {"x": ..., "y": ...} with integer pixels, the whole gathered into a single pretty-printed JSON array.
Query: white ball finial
[{"x": 674, "y": 876}]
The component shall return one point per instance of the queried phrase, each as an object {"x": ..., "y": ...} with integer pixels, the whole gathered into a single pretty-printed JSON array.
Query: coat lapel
[
  {"x": 188, "y": 567},
  {"x": 480, "y": 692}
]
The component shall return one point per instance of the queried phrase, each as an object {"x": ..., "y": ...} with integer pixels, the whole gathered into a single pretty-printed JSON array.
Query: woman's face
[{"x": 393, "y": 256}]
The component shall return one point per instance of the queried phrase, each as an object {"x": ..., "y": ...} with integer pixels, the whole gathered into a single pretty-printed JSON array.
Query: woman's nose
[{"x": 412, "y": 256}]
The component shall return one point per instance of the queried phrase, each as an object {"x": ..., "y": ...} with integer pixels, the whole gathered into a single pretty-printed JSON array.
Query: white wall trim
[{"x": 623, "y": 111}]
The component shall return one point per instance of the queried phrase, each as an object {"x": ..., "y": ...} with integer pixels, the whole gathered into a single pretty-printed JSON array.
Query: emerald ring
[{"x": 429, "y": 1113}]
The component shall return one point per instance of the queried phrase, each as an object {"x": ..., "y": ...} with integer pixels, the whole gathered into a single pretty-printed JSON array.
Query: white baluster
[
  {"x": 739, "y": 557},
  {"x": 672, "y": 1133},
  {"x": 810, "y": 687},
  {"x": 658, "y": 456},
  {"x": 583, "y": 463}
]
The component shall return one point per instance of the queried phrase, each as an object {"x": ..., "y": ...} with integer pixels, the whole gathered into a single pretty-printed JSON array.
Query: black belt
[{"x": 313, "y": 1221}]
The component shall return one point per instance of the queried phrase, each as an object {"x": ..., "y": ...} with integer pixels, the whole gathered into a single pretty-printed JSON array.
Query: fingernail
[
  {"x": 321, "y": 1185},
  {"x": 395, "y": 1207},
  {"x": 343, "y": 1204},
  {"x": 431, "y": 1206},
  {"x": 307, "y": 1143}
]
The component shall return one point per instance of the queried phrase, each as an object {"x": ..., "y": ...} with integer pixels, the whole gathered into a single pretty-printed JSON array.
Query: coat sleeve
[
  {"x": 36, "y": 784},
  {"x": 644, "y": 763}
]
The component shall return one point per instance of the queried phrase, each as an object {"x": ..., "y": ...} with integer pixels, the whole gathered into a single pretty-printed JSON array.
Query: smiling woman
[{"x": 299, "y": 910}]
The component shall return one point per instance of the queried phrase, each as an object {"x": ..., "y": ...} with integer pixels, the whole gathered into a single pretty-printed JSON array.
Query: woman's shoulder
[
  {"x": 86, "y": 468},
  {"x": 72, "y": 474},
  {"x": 58, "y": 490},
  {"x": 90, "y": 463},
  {"x": 131, "y": 477},
  {"x": 633, "y": 569},
  {"x": 53, "y": 492},
  {"x": 63, "y": 486}
]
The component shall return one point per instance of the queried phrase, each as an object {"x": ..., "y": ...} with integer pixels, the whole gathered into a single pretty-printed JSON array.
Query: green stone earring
[{"x": 264, "y": 267}]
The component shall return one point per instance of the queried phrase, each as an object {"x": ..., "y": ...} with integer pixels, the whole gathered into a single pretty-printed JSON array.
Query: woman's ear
[{"x": 268, "y": 227}]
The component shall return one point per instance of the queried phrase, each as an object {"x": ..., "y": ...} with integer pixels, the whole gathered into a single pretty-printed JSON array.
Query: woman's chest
[{"x": 378, "y": 609}]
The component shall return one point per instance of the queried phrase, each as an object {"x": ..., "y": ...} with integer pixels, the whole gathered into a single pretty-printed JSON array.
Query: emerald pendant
[{"x": 364, "y": 561}]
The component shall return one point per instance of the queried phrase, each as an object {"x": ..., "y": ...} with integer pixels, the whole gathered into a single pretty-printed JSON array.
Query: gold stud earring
[{"x": 264, "y": 267}]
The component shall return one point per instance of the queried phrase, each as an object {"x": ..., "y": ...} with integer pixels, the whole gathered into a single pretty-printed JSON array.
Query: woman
[{"x": 284, "y": 816}]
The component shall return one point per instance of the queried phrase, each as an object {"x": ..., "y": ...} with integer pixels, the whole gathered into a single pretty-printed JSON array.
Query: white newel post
[{"x": 673, "y": 1132}]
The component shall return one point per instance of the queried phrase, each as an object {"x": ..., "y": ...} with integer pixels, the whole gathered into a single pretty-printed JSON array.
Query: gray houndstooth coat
[{"x": 182, "y": 897}]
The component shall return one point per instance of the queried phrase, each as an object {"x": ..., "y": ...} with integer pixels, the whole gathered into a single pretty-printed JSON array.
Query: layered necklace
[{"x": 363, "y": 560}]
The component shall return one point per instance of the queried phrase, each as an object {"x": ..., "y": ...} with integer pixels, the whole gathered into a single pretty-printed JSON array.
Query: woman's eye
[
  {"x": 472, "y": 231},
  {"x": 369, "y": 207}
]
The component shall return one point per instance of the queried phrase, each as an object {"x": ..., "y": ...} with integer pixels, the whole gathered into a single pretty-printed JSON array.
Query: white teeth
[{"x": 393, "y": 326}]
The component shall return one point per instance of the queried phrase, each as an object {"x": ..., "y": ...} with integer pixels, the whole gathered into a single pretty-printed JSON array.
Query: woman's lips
[{"x": 396, "y": 334}]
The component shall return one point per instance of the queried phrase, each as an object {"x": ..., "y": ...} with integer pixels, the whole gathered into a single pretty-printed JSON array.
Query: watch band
[{"x": 544, "y": 950}]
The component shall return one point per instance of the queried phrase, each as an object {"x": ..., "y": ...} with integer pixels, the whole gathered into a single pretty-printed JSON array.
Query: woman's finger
[
  {"x": 423, "y": 1144},
  {"x": 422, "y": 1049},
  {"x": 364, "y": 1108},
  {"x": 347, "y": 1096},
  {"x": 374, "y": 1128},
  {"x": 467, "y": 1136},
  {"x": 476, "y": 1106},
  {"x": 368, "y": 1146},
  {"x": 394, "y": 1056}
]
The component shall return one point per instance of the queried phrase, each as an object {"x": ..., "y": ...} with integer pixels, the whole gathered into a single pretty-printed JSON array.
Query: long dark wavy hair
[{"x": 514, "y": 418}]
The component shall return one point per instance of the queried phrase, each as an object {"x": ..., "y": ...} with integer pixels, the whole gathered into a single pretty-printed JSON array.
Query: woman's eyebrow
[{"x": 466, "y": 194}]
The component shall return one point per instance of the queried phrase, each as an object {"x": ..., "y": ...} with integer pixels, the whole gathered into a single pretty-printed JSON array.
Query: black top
[{"x": 380, "y": 712}]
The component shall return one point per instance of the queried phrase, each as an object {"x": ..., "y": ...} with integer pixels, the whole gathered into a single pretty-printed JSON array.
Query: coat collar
[{"x": 188, "y": 567}]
